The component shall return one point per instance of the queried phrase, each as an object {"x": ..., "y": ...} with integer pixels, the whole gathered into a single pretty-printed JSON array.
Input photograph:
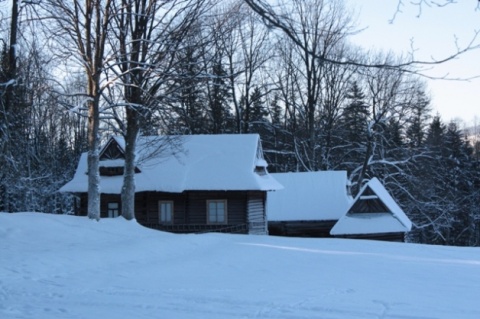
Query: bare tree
[
  {"x": 8, "y": 79},
  {"x": 81, "y": 29},
  {"x": 147, "y": 33},
  {"x": 321, "y": 29},
  {"x": 275, "y": 16},
  {"x": 252, "y": 55},
  {"x": 421, "y": 4}
]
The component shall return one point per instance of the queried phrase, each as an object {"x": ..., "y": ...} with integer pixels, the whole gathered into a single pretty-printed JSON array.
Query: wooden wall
[
  {"x": 190, "y": 210},
  {"x": 322, "y": 229},
  {"x": 298, "y": 228},
  {"x": 393, "y": 237},
  {"x": 257, "y": 219}
]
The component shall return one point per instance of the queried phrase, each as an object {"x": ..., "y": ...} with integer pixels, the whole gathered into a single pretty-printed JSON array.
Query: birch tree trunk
[{"x": 93, "y": 157}]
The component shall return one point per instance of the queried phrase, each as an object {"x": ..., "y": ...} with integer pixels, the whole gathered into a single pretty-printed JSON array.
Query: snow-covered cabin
[
  {"x": 374, "y": 214},
  {"x": 196, "y": 183},
  {"x": 310, "y": 203}
]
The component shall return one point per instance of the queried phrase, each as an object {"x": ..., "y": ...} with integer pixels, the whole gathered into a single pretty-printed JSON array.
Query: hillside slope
[{"x": 55, "y": 266}]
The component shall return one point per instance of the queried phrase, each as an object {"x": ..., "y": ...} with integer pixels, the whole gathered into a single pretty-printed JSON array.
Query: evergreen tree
[
  {"x": 355, "y": 115},
  {"x": 275, "y": 111},
  {"x": 353, "y": 128},
  {"x": 435, "y": 134},
  {"x": 219, "y": 98},
  {"x": 189, "y": 100},
  {"x": 257, "y": 115},
  {"x": 415, "y": 132}
]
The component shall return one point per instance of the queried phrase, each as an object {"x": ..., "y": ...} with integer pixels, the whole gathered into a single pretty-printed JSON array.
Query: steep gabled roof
[
  {"x": 309, "y": 196},
  {"x": 373, "y": 211},
  {"x": 194, "y": 162}
]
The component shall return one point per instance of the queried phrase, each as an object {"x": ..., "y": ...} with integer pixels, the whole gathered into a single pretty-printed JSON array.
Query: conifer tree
[
  {"x": 219, "y": 97},
  {"x": 354, "y": 123}
]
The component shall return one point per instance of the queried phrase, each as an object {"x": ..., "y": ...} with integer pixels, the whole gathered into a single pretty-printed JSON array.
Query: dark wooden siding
[
  {"x": 190, "y": 210},
  {"x": 82, "y": 208},
  {"x": 146, "y": 206},
  {"x": 394, "y": 237},
  {"x": 322, "y": 229},
  {"x": 197, "y": 206},
  {"x": 299, "y": 228}
]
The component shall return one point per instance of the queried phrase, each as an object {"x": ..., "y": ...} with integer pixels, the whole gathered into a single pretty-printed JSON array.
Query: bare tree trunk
[
  {"x": 128, "y": 188},
  {"x": 12, "y": 52},
  {"x": 93, "y": 157}
]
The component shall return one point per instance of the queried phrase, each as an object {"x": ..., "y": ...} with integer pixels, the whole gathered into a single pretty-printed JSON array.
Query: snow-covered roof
[
  {"x": 390, "y": 221},
  {"x": 309, "y": 196},
  {"x": 200, "y": 162}
]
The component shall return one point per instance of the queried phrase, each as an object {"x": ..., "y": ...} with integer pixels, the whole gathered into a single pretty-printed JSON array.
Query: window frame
[
  {"x": 160, "y": 220},
  {"x": 115, "y": 212},
  {"x": 225, "y": 212}
]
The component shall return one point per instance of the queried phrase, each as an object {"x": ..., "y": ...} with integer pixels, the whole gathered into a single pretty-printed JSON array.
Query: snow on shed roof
[
  {"x": 201, "y": 162},
  {"x": 309, "y": 196},
  {"x": 390, "y": 221}
]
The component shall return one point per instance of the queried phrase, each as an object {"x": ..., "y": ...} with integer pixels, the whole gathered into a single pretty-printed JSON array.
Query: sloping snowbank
[{"x": 55, "y": 266}]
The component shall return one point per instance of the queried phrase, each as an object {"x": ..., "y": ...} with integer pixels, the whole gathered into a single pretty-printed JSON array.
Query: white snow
[
  {"x": 208, "y": 162},
  {"x": 392, "y": 221},
  {"x": 58, "y": 266},
  {"x": 309, "y": 196},
  {"x": 368, "y": 223},
  {"x": 112, "y": 163}
]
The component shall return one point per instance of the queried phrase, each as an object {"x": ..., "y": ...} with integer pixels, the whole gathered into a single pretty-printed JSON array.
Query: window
[
  {"x": 114, "y": 170},
  {"x": 216, "y": 211},
  {"x": 110, "y": 171},
  {"x": 165, "y": 212},
  {"x": 113, "y": 209}
]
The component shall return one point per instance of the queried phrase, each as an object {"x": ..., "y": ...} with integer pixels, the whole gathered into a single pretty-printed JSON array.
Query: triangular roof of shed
[
  {"x": 373, "y": 211},
  {"x": 309, "y": 196},
  {"x": 200, "y": 162}
]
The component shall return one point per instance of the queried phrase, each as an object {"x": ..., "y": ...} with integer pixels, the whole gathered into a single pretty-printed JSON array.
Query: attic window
[
  {"x": 260, "y": 170},
  {"x": 112, "y": 151},
  {"x": 111, "y": 171},
  {"x": 114, "y": 170}
]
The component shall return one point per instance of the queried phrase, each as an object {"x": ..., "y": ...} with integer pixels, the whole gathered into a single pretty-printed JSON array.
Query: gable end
[
  {"x": 112, "y": 151},
  {"x": 368, "y": 202}
]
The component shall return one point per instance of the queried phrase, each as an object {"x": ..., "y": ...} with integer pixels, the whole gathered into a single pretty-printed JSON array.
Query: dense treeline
[{"x": 217, "y": 68}]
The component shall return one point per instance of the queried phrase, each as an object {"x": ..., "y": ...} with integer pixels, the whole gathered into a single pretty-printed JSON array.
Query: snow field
[{"x": 54, "y": 266}]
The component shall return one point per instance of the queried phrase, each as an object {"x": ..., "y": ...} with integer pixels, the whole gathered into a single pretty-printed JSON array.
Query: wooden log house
[{"x": 189, "y": 184}]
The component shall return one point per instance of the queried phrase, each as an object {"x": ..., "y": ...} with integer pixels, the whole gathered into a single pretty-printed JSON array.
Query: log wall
[{"x": 244, "y": 210}]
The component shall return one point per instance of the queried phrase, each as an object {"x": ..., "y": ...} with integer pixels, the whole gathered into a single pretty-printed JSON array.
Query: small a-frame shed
[{"x": 374, "y": 214}]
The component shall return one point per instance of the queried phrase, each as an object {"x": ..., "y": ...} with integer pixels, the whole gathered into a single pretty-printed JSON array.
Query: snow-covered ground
[{"x": 55, "y": 266}]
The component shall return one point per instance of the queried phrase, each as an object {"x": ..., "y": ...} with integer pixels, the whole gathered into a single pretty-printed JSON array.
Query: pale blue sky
[{"x": 433, "y": 34}]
